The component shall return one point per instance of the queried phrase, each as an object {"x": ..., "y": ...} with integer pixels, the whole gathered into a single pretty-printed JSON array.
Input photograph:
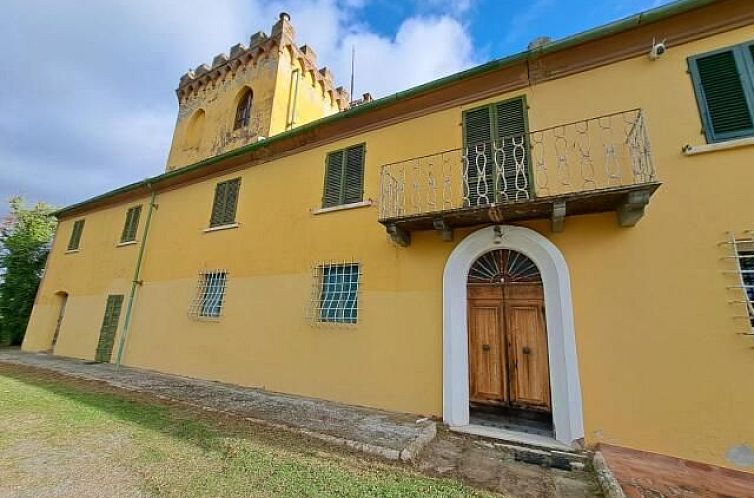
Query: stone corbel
[
  {"x": 446, "y": 233},
  {"x": 399, "y": 235},
  {"x": 632, "y": 209},
  {"x": 557, "y": 222}
]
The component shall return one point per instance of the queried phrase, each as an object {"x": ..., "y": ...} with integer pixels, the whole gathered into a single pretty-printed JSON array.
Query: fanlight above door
[{"x": 503, "y": 266}]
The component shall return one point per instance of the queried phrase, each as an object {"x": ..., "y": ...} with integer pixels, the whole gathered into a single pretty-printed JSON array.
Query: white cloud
[
  {"x": 423, "y": 49},
  {"x": 86, "y": 94}
]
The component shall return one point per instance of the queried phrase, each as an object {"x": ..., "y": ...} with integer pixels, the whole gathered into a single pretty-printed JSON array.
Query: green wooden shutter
[
  {"x": 224, "y": 205},
  {"x": 344, "y": 176},
  {"x": 511, "y": 126},
  {"x": 353, "y": 183},
  {"x": 75, "y": 240},
  {"x": 333, "y": 179},
  {"x": 132, "y": 224},
  {"x": 502, "y": 123},
  {"x": 721, "y": 82},
  {"x": 477, "y": 135},
  {"x": 109, "y": 328},
  {"x": 231, "y": 201}
]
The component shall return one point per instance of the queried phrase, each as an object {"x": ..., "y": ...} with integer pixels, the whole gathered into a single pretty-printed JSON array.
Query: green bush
[{"x": 25, "y": 236}]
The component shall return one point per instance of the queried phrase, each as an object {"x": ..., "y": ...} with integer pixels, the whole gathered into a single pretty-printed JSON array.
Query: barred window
[
  {"x": 742, "y": 248},
  {"x": 210, "y": 295},
  {"x": 746, "y": 264},
  {"x": 335, "y": 297},
  {"x": 745, "y": 259}
]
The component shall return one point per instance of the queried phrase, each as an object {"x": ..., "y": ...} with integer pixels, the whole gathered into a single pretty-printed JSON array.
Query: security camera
[{"x": 658, "y": 48}]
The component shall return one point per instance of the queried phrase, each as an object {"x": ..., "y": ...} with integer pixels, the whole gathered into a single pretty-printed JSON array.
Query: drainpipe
[
  {"x": 294, "y": 96},
  {"x": 135, "y": 282}
]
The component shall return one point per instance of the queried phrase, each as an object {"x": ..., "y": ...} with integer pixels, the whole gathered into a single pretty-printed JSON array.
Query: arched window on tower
[
  {"x": 195, "y": 130},
  {"x": 243, "y": 111}
]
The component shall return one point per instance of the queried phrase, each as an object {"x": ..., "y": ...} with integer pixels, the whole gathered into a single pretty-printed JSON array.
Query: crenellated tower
[{"x": 271, "y": 86}]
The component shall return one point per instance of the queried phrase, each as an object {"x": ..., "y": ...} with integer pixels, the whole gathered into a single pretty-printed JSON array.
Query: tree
[{"x": 25, "y": 236}]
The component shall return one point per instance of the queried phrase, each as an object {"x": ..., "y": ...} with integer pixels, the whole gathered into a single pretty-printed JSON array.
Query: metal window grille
[
  {"x": 335, "y": 293},
  {"x": 743, "y": 255},
  {"x": 210, "y": 295}
]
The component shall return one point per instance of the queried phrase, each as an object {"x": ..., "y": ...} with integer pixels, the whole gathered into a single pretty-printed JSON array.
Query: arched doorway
[
  {"x": 565, "y": 389},
  {"x": 62, "y": 301},
  {"x": 509, "y": 379}
]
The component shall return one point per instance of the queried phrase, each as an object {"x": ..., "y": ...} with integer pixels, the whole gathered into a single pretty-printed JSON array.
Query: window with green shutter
[
  {"x": 724, "y": 86},
  {"x": 224, "y": 205},
  {"x": 109, "y": 328},
  {"x": 344, "y": 176},
  {"x": 496, "y": 136},
  {"x": 75, "y": 240},
  {"x": 131, "y": 225}
]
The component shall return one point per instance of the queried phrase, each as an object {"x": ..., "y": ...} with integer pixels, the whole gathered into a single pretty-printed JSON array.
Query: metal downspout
[
  {"x": 135, "y": 282},
  {"x": 294, "y": 97}
]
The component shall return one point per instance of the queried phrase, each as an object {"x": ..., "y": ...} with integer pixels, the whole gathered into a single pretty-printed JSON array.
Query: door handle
[
  {"x": 485, "y": 347},
  {"x": 527, "y": 350}
]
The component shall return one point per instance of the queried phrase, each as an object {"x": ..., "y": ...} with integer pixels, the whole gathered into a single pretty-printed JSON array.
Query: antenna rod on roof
[{"x": 353, "y": 59}]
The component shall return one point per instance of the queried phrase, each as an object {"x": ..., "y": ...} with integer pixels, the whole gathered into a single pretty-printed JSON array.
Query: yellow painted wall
[
  {"x": 312, "y": 101},
  {"x": 662, "y": 365},
  {"x": 101, "y": 266}
]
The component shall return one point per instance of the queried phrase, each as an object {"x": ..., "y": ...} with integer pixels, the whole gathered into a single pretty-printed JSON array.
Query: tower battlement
[{"x": 243, "y": 58}]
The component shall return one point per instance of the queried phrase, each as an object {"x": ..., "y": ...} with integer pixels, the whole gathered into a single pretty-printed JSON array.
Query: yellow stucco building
[{"x": 561, "y": 237}]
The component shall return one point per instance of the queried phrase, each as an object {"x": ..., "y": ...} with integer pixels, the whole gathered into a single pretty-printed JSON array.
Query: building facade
[{"x": 563, "y": 235}]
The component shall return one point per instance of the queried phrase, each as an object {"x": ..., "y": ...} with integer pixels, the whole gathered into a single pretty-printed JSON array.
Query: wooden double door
[{"x": 508, "y": 357}]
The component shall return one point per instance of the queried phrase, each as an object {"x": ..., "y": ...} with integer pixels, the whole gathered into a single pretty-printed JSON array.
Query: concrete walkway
[
  {"x": 491, "y": 465},
  {"x": 391, "y": 435}
]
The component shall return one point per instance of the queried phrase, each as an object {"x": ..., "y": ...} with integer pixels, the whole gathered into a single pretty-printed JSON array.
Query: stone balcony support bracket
[
  {"x": 557, "y": 222},
  {"x": 446, "y": 233},
  {"x": 632, "y": 209},
  {"x": 398, "y": 235}
]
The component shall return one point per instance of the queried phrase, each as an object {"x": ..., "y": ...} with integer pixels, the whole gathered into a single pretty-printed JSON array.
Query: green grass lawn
[{"x": 60, "y": 437}]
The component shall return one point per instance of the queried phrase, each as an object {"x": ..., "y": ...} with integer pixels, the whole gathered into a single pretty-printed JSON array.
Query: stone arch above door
[{"x": 564, "y": 372}]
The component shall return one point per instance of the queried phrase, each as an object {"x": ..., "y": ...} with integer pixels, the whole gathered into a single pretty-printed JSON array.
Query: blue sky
[
  {"x": 503, "y": 27},
  {"x": 87, "y": 99}
]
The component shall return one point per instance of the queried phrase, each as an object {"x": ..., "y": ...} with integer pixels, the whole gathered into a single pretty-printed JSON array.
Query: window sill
[
  {"x": 221, "y": 227},
  {"x": 71, "y": 251},
  {"x": 692, "y": 150},
  {"x": 343, "y": 207},
  {"x": 127, "y": 243}
]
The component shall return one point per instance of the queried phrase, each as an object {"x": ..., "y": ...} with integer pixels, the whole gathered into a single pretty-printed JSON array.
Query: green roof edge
[{"x": 647, "y": 16}]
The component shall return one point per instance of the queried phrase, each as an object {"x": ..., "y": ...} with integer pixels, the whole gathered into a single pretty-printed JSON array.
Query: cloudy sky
[{"x": 87, "y": 99}]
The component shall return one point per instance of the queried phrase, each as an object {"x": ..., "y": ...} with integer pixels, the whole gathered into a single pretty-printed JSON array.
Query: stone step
[{"x": 574, "y": 460}]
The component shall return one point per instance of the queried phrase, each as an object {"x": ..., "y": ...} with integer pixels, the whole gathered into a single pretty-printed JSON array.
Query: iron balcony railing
[{"x": 601, "y": 153}]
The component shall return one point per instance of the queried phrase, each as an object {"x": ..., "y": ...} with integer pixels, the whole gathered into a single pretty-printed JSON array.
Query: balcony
[{"x": 596, "y": 165}]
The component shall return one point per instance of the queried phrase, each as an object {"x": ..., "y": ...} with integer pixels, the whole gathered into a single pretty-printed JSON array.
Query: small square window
[
  {"x": 336, "y": 293},
  {"x": 210, "y": 295}
]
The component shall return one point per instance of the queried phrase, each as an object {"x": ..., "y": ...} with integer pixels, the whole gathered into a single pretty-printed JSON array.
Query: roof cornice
[{"x": 552, "y": 61}]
